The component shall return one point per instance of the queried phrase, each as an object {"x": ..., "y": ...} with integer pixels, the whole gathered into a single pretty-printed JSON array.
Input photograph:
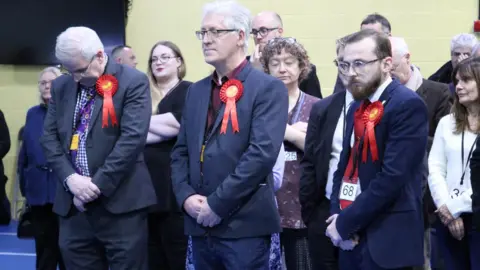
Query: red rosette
[
  {"x": 107, "y": 86},
  {"x": 371, "y": 117},
  {"x": 230, "y": 93}
]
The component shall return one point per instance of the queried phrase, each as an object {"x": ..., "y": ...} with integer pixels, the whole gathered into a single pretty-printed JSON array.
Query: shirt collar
[
  {"x": 376, "y": 96},
  {"x": 232, "y": 74}
]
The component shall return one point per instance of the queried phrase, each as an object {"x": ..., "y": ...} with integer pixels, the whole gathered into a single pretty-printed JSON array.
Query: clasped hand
[
  {"x": 197, "y": 207},
  {"x": 335, "y": 237},
  {"x": 82, "y": 188},
  {"x": 455, "y": 225}
]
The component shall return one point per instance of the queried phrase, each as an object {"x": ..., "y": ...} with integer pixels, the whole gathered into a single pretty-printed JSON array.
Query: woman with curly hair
[{"x": 287, "y": 60}]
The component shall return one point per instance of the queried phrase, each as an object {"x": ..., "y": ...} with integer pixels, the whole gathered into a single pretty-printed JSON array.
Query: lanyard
[
  {"x": 464, "y": 166},
  {"x": 298, "y": 108}
]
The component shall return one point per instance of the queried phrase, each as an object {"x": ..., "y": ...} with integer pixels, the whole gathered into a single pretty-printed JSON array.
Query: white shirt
[
  {"x": 337, "y": 143},
  {"x": 445, "y": 168}
]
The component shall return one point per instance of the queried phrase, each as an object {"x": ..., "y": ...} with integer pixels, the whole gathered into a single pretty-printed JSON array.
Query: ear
[
  {"x": 407, "y": 56},
  {"x": 387, "y": 64},
  {"x": 179, "y": 61},
  {"x": 241, "y": 38},
  {"x": 280, "y": 30}
]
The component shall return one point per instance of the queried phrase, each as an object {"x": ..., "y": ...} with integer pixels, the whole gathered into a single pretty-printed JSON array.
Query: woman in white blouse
[{"x": 449, "y": 179}]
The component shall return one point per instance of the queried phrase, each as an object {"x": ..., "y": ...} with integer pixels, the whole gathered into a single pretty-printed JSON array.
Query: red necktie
[{"x": 351, "y": 173}]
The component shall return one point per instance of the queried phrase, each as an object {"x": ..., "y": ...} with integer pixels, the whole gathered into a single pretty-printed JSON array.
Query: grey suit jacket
[{"x": 115, "y": 153}]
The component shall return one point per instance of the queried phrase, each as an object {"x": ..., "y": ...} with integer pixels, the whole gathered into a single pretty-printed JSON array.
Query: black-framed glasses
[
  {"x": 357, "y": 65},
  {"x": 263, "y": 31},
  {"x": 212, "y": 33},
  {"x": 162, "y": 59}
]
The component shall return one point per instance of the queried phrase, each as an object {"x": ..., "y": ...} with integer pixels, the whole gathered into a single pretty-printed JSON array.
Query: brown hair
[
  {"x": 468, "y": 69},
  {"x": 182, "y": 71},
  {"x": 291, "y": 46},
  {"x": 383, "y": 48}
]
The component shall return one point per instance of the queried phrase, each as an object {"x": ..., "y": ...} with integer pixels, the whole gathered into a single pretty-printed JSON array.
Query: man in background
[
  {"x": 124, "y": 54},
  {"x": 373, "y": 21},
  {"x": 439, "y": 101},
  {"x": 266, "y": 26}
]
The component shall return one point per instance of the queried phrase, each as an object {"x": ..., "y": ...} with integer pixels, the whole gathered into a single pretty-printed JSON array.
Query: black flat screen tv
[{"x": 29, "y": 28}]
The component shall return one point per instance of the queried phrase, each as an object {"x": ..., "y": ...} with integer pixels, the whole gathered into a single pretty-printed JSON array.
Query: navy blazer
[
  {"x": 389, "y": 209},
  {"x": 37, "y": 180},
  {"x": 237, "y": 169}
]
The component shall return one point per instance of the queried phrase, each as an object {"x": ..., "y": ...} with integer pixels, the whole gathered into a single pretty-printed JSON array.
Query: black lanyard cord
[{"x": 465, "y": 165}]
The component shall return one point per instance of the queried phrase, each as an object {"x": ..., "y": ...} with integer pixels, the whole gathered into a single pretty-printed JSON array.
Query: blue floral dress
[{"x": 275, "y": 254}]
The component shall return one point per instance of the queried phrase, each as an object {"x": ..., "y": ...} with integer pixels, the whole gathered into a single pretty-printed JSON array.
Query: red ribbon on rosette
[
  {"x": 230, "y": 93},
  {"x": 371, "y": 117},
  {"x": 107, "y": 86}
]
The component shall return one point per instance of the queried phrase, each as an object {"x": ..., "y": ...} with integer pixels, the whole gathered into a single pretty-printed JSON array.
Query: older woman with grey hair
[
  {"x": 37, "y": 181},
  {"x": 461, "y": 47}
]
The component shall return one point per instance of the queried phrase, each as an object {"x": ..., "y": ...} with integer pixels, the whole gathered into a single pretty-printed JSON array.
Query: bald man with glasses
[{"x": 266, "y": 26}]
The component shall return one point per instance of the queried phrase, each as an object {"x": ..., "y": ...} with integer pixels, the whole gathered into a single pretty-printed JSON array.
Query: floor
[{"x": 15, "y": 254}]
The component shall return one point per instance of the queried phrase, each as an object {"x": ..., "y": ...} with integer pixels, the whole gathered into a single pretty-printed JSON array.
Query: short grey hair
[
  {"x": 236, "y": 16},
  {"x": 463, "y": 40},
  {"x": 399, "y": 46},
  {"x": 77, "y": 41},
  {"x": 55, "y": 70}
]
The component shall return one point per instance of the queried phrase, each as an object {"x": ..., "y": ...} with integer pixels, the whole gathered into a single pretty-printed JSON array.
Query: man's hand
[
  {"x": 457, "y": 229},
  {"x": 444, "y": 215},
  {"x": 78, "y": 204},
  {"x": 83, "y": 188},
  {"x": 207, "y": 217},
  {"x": 332, "y": 232},
  {"x": 193, "y": 204},
  {"x": 300, "y": 126},
  {"x": 255, "y": 58},
  {"x": 350, "y": 244}
]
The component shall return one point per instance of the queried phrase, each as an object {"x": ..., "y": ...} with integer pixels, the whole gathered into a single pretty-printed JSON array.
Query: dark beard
[{"x": 364, "y": 91}]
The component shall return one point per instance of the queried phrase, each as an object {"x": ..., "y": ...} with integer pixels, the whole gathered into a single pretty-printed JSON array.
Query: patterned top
[
  {"x": 287, "y": 196},
  {"x": 83, "y": 114}
]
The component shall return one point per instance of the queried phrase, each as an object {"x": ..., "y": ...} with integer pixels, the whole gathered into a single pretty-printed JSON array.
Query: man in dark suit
[
  {"x": 222, "y": 162},
  {"x": 266, "y": 26},
  {"x": 377, "y": 188},
  {"x": 97, "y": 155},
  {"x": 323, "y": 146}
]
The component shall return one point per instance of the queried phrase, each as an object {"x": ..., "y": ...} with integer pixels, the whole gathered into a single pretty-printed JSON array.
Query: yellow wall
[{"x": 427, "y": 26}]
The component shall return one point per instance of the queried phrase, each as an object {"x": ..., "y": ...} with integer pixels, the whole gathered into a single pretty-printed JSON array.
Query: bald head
[
  {"x": 124, "y": 55},
  {"x": 265, "y": 26},
  {"x": 269, "y": 16},
  {"x": 401, "y": 69}
]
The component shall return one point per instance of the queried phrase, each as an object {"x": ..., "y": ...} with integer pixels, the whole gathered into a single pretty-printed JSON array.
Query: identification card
[
  {"x": 290, "y": 156},
  {"x": 456, "y": 192},
  {"x": 74, "y": 144},
  {"x": 348, "y": 191}
]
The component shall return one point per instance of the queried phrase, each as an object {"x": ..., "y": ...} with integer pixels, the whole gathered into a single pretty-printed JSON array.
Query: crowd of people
[{"x": 252, "y": 167}]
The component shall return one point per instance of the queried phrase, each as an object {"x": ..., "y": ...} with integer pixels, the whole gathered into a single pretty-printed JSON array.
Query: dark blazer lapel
[
  {"x": 70, "y": 101},
  {"x": 388, "y": 91},
  {"x": 242, "y": 76},
  {"x": 111, "y": 68},
  {"x": 204, "y": 102}
]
